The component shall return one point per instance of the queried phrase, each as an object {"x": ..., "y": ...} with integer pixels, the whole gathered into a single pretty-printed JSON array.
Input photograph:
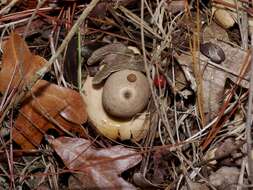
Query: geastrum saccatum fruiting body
[{"x": 118, "y": 95}]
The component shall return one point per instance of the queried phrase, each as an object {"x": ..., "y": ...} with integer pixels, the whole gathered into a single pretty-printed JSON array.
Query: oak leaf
[
  {"x": 97, "y": 168},
  {"x": 63, "y": 105},
  {"x": 49, "y": 102}
]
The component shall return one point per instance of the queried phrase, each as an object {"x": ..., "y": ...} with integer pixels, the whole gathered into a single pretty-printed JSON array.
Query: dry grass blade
[
  {"x": 7, "y": 8},
  {"x": 249, "y": 119},
  {"x": 138, "y": 21}
]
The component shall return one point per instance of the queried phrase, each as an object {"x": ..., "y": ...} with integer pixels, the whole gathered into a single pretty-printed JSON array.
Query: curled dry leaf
[
  {"x": 111, "y": 65},
  {"x": 63, "y": 105},
  {"x": 98, "y": 55},
  {"x": 100, "y": 167},
  {"x": 18, "y": 63},
  {"x": 115, "y": 57}
]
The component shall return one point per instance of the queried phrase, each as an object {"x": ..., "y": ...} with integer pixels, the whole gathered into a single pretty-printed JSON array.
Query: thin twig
[
  {"x": 71, "y": 33},
  {"x": 244, "y": 27},
  {"x": 33, "y": 16},
  {"x": 249, "y": 119},
  {"x": 6, "y": 9},
  {"x": 162, "y": 113}
]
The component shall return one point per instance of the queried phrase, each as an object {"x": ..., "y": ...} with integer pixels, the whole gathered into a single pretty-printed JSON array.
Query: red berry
[{"x": 160, "y": 80}]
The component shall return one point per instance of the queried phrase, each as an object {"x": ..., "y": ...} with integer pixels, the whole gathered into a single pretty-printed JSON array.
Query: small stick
[
  {"x": 249, "y": 119},
  {"x": 6, "y": 9},
  {"x": 33, "y": 16},
  {"x": 244, "y": 26},
  {"x": 71, "y": 33}
]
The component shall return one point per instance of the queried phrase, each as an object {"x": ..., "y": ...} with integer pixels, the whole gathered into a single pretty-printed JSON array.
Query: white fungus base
[{"x": 135, "y": 128}]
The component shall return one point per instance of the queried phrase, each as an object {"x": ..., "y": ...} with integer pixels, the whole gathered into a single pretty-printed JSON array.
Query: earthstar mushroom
[
  {"x": 133, "y": 128},
  {"x": 117, "y": 96},
  {"x": 125, "y": 94}
]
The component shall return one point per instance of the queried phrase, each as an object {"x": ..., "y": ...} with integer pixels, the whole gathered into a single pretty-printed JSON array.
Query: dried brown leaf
[
  {"x": 100, "y": 167},
  {"x": 18, "y": 63},
  {"x": 114, "y": 57},
  {"x": 99, "y": 54},
  {"x": 62, "y": 104}
]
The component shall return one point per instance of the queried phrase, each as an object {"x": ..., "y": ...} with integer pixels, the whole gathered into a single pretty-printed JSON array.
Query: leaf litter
[
  {"x": 100, "y": 167},
  {"x": 195, "y": 56}
]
